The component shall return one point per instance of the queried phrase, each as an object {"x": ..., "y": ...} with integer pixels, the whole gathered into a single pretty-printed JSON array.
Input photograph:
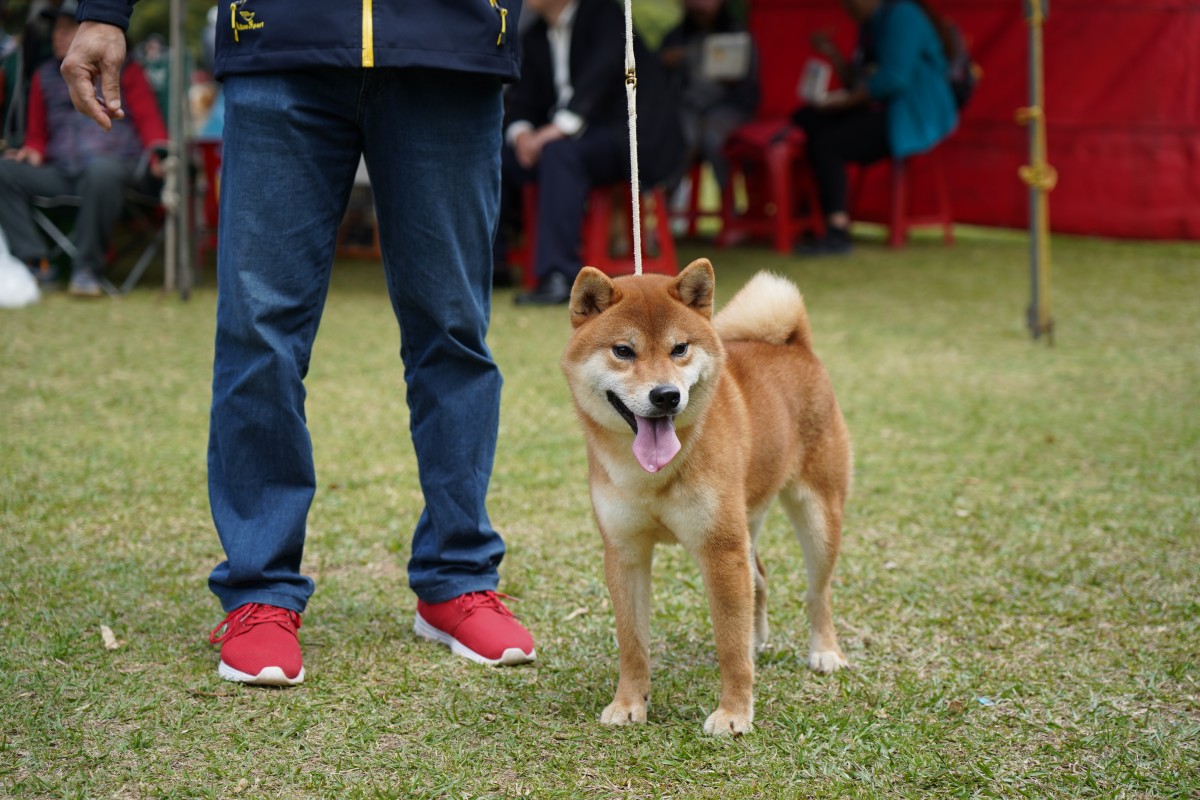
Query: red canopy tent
[{"x": 1122, "y": 106}]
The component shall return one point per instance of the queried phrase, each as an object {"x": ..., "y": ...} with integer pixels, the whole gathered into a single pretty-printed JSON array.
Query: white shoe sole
[
  {"x": 510, "y": 657},
  {"x": 270, "y": 676}
]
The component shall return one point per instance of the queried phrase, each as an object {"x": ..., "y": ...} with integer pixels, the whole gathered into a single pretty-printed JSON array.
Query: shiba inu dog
[{"x": 694, "y": 423}]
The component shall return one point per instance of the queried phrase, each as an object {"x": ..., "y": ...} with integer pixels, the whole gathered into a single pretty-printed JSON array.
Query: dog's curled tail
[{"x": 767, "y": 309}]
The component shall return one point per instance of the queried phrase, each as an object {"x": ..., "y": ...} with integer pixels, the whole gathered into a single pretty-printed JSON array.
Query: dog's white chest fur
[{"x": 679, "y": 514}]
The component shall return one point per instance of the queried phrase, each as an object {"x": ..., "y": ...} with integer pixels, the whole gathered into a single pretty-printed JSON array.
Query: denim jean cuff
[
  {"x": 268, "y": 598},
  {"x": 457, "y": 587}
]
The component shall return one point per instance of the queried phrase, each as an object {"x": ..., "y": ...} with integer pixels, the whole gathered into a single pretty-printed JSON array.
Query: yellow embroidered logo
[{"x": 246, "y": 23}]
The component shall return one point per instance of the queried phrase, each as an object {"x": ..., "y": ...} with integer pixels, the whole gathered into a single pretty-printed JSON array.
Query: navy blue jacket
[{"x": 273, "y": 35}]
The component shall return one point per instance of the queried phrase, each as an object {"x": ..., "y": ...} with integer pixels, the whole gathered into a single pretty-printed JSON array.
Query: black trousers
[{"x": 833, "y": 139}]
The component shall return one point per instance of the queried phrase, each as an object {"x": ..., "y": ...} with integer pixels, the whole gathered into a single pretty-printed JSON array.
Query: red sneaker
[
  {"x": 476, "y": 626},
  {"x": 259, "y": 646}
]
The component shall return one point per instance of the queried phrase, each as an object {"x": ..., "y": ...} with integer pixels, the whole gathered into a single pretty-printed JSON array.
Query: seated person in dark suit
[
  {"x": 65, "y": 153},
  {"x": 710, "y": 107},
  {"x": 567, "y": 129}
]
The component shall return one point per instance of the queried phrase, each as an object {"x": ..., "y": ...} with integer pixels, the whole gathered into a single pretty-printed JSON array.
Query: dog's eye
[
  {"x": 679, "y": 350},
  {"x": 623, "y": 351}
]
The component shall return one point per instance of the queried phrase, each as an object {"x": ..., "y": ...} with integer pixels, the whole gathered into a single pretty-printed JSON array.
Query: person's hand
[
  {"x": 528, "y": 145},
  {"x": 842, "y": 99},
  {"x": 823, "y": 44},
  {"x": 672, "y": 57},
  {"x": 526, "y": 149},
  {"x": 547, "y": 134},
  {"x": 24, "y": 155},
  {"x": 98, "y": 51},
  {"x": 156, "y": 167}
]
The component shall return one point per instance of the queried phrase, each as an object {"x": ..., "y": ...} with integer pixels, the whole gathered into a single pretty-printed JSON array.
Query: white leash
[{"x": 631, "y": 98}]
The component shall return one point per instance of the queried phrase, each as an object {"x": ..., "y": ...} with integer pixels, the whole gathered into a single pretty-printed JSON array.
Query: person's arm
[
  {"x": 98, "y": 51},
  {"x": 823, "y": 44},
  {"x": 744, "y": 94},
  {"x": 142, "y": 106},
  {"x": 899, "y": 50},
  {"x": 532, "y": 95},
  {"x": 853, "y": 92},
  {"x": 671, "y": 50},
  {"x": 34, "y": 150},
  {"x": 36, "y": 132},
  {"x": 529, "y": 97},
  {"x": 145, "y": 114},
  {"x": 843, "y": 99},
  {"x": 599, "y": 55}
]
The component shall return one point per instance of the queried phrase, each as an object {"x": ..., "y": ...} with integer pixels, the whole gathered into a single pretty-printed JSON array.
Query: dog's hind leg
[
  {"x": 818, "y": 526},
  {"x": 762, "y": 630}
]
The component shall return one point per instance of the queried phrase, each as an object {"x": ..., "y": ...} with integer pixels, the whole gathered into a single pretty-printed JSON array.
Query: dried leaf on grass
[{"x": 110, "y": 641}]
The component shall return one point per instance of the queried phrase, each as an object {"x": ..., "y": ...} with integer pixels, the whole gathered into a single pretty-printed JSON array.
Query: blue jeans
[{"x": 292, "y": 143}]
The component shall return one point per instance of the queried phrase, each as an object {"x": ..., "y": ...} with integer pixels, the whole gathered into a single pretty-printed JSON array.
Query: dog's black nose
[{"x": 665, "y": 397}]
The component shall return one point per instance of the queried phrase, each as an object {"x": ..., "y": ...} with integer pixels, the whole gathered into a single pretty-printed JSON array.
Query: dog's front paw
[
  {"x": 623, "y": 712},
  {"x": 826, "y": 661},
  {"x": 728, "y": 723}
]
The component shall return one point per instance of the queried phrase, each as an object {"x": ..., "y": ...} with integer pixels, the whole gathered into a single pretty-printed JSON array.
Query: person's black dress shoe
[
  {"x": 502, "y": 276},
  {"x": 835, "y": 242},
  {"x": 553, "y": 290}
]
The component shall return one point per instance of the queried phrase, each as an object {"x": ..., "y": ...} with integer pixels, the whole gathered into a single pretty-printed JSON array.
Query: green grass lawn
[{"x": 1019, "y": 588}]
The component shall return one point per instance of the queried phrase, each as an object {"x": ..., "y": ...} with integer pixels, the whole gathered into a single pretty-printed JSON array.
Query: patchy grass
[{"x": 1018, "y": 589}]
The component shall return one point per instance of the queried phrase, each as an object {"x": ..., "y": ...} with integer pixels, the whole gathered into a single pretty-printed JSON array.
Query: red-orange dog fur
[{"x": 694, "y": 424}]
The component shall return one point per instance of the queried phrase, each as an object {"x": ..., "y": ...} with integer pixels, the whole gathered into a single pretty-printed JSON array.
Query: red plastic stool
[
  {"x": 781, "y": 196},
  {"x": 905, "y": 175},
  {"x": 209, "y": 150},
  {"x": 694, "y": 213},
  {"x": 658, "y": 246}
]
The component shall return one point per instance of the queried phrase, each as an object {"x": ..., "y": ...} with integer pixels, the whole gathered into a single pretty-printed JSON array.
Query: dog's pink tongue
[{"x": 656, "y": 443}]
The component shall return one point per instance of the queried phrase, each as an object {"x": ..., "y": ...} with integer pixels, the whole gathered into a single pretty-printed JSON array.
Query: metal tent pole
[
  {"x": 177, "y": 191},
  {"x": 1040, "y": 177}
]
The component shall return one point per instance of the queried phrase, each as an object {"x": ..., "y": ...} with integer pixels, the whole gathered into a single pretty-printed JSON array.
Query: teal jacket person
[
  {"x": 909, "y": 77},
  {"x": 897, "y": 103}
]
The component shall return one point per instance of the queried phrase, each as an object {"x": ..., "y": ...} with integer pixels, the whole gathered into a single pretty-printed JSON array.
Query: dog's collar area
[{"x": 623, "y": 410}]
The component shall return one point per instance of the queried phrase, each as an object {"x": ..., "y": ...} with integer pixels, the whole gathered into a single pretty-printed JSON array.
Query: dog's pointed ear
[
  {"x": 592, "y": 294},
  {"x": 695, "y": 286}
]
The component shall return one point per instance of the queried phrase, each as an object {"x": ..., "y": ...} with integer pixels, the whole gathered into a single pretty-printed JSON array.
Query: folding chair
[
  {"x": 145, "y": 210},
  {"x": 42, "y": 207}
]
